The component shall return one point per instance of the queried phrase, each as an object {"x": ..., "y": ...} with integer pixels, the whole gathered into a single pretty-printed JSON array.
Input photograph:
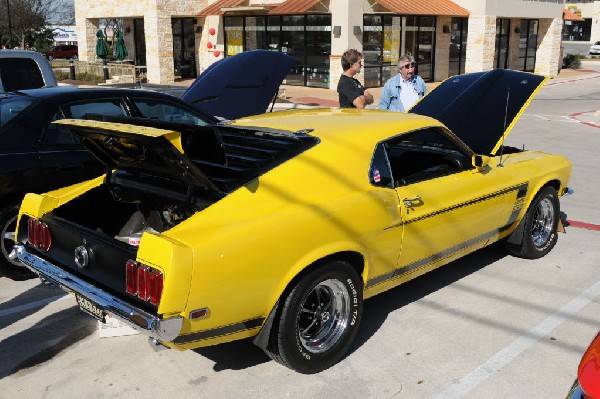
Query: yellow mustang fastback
[{"x": 278, "y": 226}]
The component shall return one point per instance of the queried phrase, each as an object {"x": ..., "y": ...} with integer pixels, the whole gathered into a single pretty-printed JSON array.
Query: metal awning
[
  {"x": 294, "y": 7},
  {"x": 424, "y": 7},
  {"x": 218, "y": 7}
]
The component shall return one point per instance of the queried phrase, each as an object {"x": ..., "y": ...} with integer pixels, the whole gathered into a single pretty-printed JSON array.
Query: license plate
[{"x": 90, "y": 308}]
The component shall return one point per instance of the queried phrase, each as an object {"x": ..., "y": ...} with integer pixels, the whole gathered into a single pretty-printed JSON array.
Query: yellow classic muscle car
[{"x": 277, "y": 226}]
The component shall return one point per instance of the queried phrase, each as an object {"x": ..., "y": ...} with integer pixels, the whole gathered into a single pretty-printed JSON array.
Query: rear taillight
[
  {"x": 38, "y": 234},
  {"x": 144, "y": 282},
  {"x": 589, "y": 370}
]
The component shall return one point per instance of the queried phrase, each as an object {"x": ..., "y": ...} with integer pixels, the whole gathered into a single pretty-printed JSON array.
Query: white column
[
  {"x": 159, "y": 48},
  {"x": 595, "y": 34},
  {"x": 547, "y": 57},
  {"x": 481, "y": 43},
  {"x": 347, "y": 14}
]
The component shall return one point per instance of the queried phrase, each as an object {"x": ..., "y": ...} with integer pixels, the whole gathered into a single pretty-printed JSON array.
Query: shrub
[
  {"x": 571, "y": 61},
  {"x": 83, "y": 77}
]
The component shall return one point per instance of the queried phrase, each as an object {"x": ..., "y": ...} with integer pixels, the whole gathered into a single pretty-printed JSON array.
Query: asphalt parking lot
[{"x": 486, "y": 326}]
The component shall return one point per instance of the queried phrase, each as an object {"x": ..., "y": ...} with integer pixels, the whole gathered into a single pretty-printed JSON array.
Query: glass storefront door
[
  {"x": 140, "y": 41},
  {"x": 184, "y": 47},
  {"x": 527, "y": 45},
  {"x": 458, "y": 45},
  {"x": 502, "y": 36}
]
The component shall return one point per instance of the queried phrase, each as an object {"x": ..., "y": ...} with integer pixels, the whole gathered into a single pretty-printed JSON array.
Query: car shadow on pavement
[
  {"x": 20, "y": 306},
  {"x": 236, "y": 355},
  {"x": 44, "y": 340},
  {"x": 377, "y": 309},
  {"x": 242, "y": 354}
]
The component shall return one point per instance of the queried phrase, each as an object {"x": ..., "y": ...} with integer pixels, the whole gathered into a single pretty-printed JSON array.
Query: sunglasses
[{"x": 406, "y": 66}]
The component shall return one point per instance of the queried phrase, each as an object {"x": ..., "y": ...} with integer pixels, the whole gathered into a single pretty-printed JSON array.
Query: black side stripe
[
  {"x": 522, "y": 190},
  {"x": 220, "y": 331},
  {"x": 425, "y": 261}
]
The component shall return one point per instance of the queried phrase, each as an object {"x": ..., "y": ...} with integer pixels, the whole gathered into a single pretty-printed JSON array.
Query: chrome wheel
[
  {"x": 324, "y": 316},
  {"x": 7, "y": 239},
  {"x": 543, "y": 223}
]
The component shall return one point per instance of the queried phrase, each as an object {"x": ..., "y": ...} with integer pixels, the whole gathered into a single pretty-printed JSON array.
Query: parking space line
[
  {"x": 520, "y": 345},
  {"x": 583, "y": 225},
  {"x": 31, "y": 305}
]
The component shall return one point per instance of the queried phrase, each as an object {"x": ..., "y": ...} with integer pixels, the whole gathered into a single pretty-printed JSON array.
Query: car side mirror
[{"x": 480, "y": 161}]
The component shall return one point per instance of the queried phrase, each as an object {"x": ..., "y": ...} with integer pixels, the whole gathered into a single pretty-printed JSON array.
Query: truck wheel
[
  {"x": 10, "y": 268},
  {"x": 318, "y": 320},
  {"x": 540, "y": 226}
]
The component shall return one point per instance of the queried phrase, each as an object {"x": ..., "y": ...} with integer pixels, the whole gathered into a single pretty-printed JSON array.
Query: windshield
[{"x": 12, "y": 107}]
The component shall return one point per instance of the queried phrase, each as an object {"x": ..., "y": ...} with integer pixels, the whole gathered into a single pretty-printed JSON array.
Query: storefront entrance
[
  {"x": 387, "y": 37},
  {"x": 184, "y": 47},
  {"x": 306, "y": 38},
  {"x": 140, "y": 41}
]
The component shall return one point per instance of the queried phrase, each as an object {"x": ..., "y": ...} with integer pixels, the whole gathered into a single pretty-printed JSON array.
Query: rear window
[
  {"x": 79, "y": 110},
  {"x": 12, "y": 108},
  {"x": 20, "y": 74},
  {"x": 154, "y": 109}
]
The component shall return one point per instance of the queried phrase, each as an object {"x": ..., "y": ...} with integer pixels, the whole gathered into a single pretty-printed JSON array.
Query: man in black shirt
[{"x": 351, "y": 92}]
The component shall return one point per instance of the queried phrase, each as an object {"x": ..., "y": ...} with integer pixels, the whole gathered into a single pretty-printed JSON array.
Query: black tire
[
  {"x": 75, "y": 57},
  {"x": 315, "y": 328},
  {"x": 540, "y": 226},
  {"x": 10, "y": 268},
  {"x": 50, "y": 58}
]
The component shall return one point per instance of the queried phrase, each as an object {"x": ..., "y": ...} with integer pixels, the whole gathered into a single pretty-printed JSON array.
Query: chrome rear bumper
[{"x": 148, "y": 324}]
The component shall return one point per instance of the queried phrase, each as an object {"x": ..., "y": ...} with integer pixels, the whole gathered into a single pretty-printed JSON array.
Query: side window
[
  {"x": 168, "y": 112},
  {"x": 20, "y": 74},
  {"x": 13, "y": 108},
  {"x": 380, "y": 173},
  {"x": 111, "y": 107},
  {"x": 58, "y": 134},
  {"x": 423, "y": 155}
]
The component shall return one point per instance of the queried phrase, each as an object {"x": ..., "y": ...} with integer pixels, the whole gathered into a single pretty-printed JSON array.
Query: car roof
[
  {"x": 368, "y": 126},
  {"x": 66, "y": 92}
]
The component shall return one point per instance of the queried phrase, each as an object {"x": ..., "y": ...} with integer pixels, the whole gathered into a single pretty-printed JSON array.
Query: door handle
[{"x": 408, "y": 202}]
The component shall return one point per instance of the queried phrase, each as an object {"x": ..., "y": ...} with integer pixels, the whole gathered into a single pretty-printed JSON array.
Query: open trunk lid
[{"x": 141, "y": 150}]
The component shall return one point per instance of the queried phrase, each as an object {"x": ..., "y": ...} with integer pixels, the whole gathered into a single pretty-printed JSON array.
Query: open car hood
[
  {"x": 141, "y": 150},
  {"x": 242, "y": 85},
  {"x": 481, "y": 108}
]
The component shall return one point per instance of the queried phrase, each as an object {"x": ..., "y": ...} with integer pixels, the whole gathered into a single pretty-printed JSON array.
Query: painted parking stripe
[
  {"x": 520, "y": 345},
  {"x": 31, "y": 305},
  {"x": 583, "y": 225}
]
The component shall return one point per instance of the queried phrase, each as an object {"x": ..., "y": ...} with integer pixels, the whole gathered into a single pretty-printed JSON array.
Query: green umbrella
[
  {"x": 101, "y": 49},
  {"x": 120, "y": 49}
]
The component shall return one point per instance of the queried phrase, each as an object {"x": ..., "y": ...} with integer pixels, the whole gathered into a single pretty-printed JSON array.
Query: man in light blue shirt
[{"x": 403, "y": 90}]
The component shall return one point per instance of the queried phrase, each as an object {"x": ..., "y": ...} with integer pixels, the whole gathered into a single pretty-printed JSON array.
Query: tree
[{"x": 28, "y": 19}]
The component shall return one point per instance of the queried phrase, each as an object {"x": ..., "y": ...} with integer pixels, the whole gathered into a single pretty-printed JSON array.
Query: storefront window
[
  {"x": 387, "y": 37},
  {"x": 234, "y": 35},
  {"x": 274, "y": 33},
  {"x": 373, "y": 42},
  {"x": 184, "y": 47},
  {"x": 306, "y": 38},
  {"x": 527, "y": 45},
  {"x": 458, "y": 45},
  {"x": 502, "y": 36},
  {"x": 318, "y": 49}
]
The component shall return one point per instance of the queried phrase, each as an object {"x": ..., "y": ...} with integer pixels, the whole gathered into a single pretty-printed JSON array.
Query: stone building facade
[{"x": 182, "y": 38}]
